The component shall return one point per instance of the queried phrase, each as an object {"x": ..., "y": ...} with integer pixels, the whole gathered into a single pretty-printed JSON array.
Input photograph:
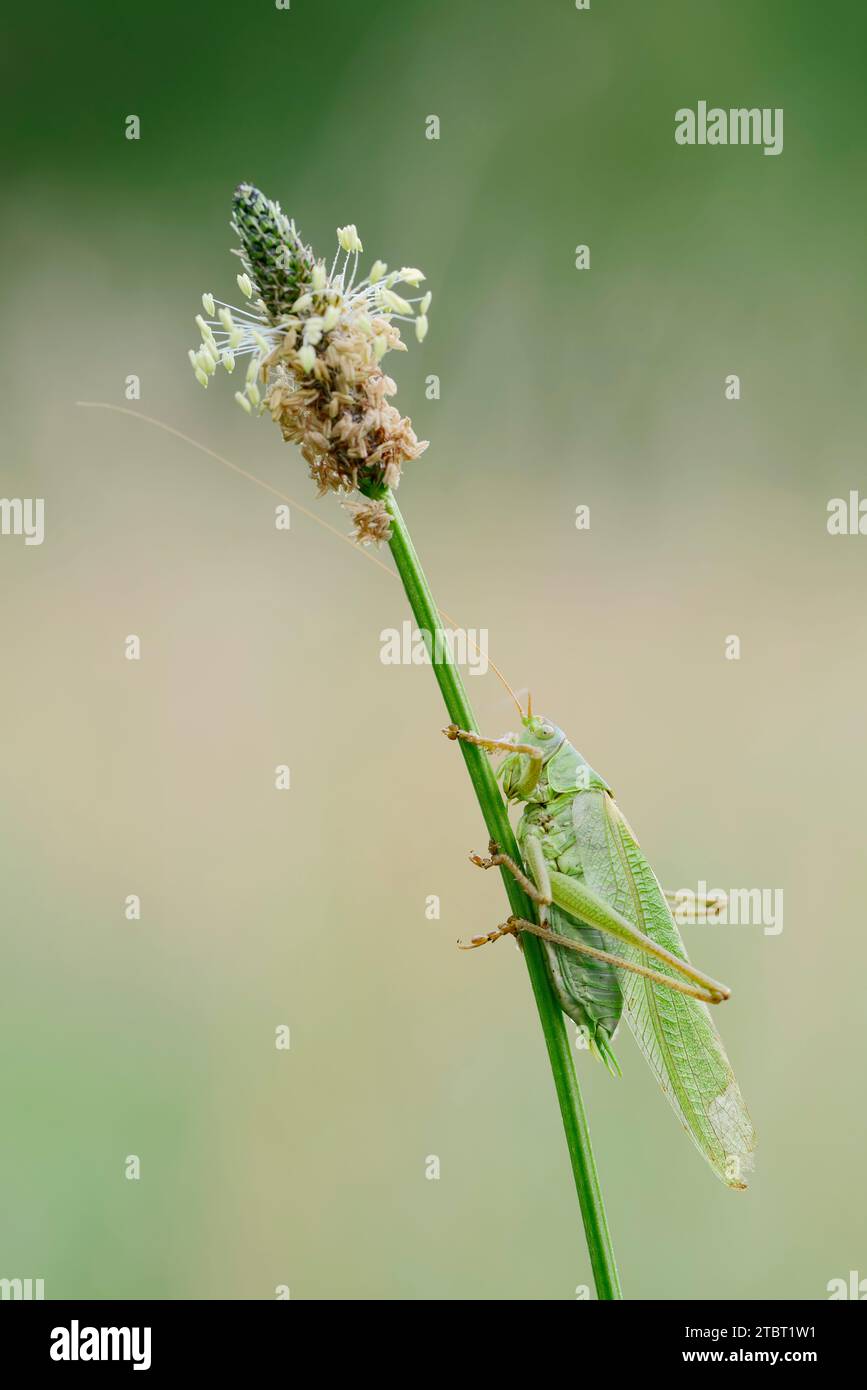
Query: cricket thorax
[{"x": 552, "y": 821}]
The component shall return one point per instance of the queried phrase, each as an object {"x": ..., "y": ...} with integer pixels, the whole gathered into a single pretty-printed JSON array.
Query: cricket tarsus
[{"x": 509, "y": 928}]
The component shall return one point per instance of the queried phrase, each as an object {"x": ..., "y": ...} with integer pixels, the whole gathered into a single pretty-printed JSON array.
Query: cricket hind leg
[
  {"x": 583, "y": 948},
  {"x": 713, "y": 994},
  {"x": 565, "y": 891},
  {"x": 586, "y": 906},
  {"x": 509, "y": 928}
]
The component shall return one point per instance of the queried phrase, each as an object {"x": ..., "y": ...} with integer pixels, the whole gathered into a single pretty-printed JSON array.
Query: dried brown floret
[{"x": 372, "y": 522}]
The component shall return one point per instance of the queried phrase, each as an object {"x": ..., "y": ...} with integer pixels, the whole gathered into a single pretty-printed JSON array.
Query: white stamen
[{"x": 395, "y": 302}]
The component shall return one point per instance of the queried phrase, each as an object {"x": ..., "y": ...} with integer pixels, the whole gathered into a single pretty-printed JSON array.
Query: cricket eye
[{"x": 545, "y": 731}]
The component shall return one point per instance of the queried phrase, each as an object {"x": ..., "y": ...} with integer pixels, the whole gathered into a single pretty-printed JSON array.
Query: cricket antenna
[
  {"x": 491, "y": 663},
  {"x": 495, "y": 668},
  {"x": 284, "y": 497},
  {"x": 529, "y": 705}
]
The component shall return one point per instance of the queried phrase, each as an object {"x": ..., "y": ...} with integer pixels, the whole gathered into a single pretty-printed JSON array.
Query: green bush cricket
[{"x": 611, "y": 941}]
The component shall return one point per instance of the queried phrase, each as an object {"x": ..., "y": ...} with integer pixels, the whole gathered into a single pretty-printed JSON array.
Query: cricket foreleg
[
  {"x": 579, "y": 901},
  {"x": 492, "y": 745},
  {"x": 520, "y": 924},
  {"x": 529, "y": 759}
]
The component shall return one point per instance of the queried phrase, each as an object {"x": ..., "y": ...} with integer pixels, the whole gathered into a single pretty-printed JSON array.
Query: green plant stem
[{"x": 496, "y": 818}]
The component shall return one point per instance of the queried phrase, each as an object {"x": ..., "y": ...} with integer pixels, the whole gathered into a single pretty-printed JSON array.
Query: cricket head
[
  {"x": 544, "y": 763},
  {"x": 521, "y": 771},
  {"x": 539, "y": 732}
]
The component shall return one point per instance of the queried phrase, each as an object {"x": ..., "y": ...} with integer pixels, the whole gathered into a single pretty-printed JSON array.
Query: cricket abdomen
[{"x": 588, "y": 990}]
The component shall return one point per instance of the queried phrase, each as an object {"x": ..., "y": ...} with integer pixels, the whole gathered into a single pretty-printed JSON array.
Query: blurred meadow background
[{"x": 558, "y": 388}]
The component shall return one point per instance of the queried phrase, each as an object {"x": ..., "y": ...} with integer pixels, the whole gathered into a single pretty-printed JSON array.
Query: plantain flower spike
[{"x": 315, "y": 338}]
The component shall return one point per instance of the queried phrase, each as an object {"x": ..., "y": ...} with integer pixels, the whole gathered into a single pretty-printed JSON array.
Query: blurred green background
[{"x": 558, "y": 387}]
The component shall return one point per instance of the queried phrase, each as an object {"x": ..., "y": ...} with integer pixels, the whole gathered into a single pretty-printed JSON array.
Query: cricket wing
[{"x": 676, "y": 1033}]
